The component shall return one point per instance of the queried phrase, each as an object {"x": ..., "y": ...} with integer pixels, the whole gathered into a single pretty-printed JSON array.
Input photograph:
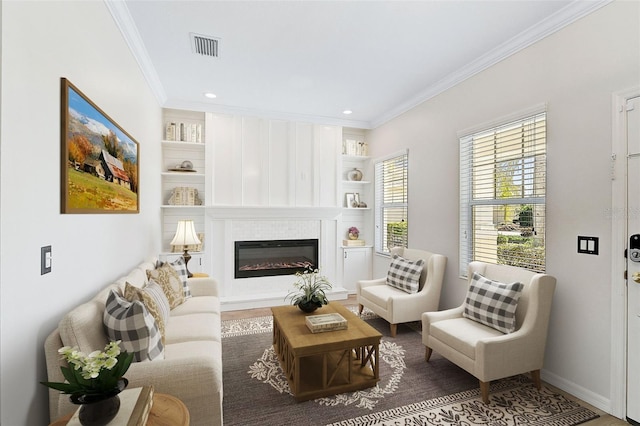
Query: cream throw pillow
[
  {"x": 167, "y": 277},
  {"x": 153, "y": 298}
]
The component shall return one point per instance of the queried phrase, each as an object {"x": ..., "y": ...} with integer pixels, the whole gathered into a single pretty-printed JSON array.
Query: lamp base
[{"x": 187, "y": 257}]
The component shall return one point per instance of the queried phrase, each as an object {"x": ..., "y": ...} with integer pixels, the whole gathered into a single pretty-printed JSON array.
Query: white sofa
[{"x": 192, "y": 366}]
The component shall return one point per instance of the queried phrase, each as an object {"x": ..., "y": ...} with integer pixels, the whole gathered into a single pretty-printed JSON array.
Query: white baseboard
[
  {"x": 598, "y": 401},
  {"x": 235, "y": 303}
]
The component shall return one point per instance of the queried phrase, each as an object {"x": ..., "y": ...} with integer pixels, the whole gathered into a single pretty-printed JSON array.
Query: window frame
[
  {"x": 467, "y": 202},
  {"x": 380, "y": 206}
]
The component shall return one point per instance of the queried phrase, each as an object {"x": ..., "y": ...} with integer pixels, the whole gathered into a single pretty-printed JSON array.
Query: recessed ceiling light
[
  {"x": 210, "y": 95},
  {"x": 347, "y": 111}
]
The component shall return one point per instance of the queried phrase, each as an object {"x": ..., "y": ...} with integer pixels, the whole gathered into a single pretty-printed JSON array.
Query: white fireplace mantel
[{"x": 226, "y": 224}]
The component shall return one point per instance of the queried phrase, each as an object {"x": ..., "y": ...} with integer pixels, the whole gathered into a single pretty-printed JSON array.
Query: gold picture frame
[{"x": 99, "y": 159}]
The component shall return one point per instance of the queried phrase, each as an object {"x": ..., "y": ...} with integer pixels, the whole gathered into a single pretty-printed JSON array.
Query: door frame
[{"x": 618, "y": 215}]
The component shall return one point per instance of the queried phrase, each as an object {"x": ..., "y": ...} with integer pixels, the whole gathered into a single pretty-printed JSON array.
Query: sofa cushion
[
  {"x": 194, "y": 327},
  {"x": 197, "y": 305},
  {"x": 167, "y": 277},
  {"x": 404, "y": 274},
  {"x": 83, "y": 327},
  {"x": 492, "y": 303},
  {"x": 461, "y": 334},
  {"x": 134, "y": 326},
  {"x": 153, "y": 298},
  {"x": 381, "y": 294}
]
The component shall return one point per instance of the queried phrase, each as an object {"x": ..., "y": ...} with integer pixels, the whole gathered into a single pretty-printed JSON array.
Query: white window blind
[
  {"x": 391, "y": 201},
  {"x": 502, "y": 195}
]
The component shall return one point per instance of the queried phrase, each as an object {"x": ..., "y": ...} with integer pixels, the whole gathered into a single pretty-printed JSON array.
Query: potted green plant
[
  {"x": 310, "y": 290},
  {"x": 94, "y": 381}
]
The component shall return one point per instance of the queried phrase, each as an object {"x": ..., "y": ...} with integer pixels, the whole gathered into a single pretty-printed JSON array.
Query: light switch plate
[
  {"x": 45, "y": 260},
  {"x": 587, "y": 245}
]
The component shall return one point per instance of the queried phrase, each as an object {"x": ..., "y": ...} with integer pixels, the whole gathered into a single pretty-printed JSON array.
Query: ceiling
[{"x": 312, "y": 60}]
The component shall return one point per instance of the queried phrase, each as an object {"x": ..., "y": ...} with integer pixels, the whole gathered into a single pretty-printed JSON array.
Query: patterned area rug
[{"x": 410, "y": 391}]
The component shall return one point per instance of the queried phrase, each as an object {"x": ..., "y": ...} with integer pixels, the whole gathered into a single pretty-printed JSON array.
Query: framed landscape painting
[{"x": 99, "y": 159}]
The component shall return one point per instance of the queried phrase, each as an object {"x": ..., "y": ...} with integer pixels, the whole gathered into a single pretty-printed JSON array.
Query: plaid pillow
[
  {"x": 131, "y": 323},
  {"x": 181, "y": 268},
  {"x": 492, "y": 303},
  {"x": 404, "y": 274}
]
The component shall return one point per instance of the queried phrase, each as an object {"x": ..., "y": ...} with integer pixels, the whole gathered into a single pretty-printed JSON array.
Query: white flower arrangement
[{"x": 98, "y": 373}]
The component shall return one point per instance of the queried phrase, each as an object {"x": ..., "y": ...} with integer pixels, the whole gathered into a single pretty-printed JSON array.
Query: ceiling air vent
[{"x": 205, "y": 45}]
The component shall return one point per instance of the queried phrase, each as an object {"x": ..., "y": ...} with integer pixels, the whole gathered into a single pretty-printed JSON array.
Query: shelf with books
[{"x": 183, "y": 171}]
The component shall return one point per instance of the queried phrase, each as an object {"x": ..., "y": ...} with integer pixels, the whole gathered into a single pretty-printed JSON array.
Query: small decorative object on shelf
[
  {"x": 185, "y": 196},
  {"x": 94, "y": 381},
  {"x": 185, "y": 166},
  {"x": 353, "y": 243},
  {"x": 310, "y": 292},
  {"x": 354, "y": 233},
  {"x": 362, "y": 205},
  {"x": 352, "y": 200},
  {"x": 355, "y": 175}
]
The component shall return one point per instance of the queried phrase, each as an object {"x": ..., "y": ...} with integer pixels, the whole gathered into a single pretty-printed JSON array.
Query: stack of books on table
[
  {"x": 353, "y": 243},
  {"x": 326, "y": 322},
  {"x": 135, "y": 406}
]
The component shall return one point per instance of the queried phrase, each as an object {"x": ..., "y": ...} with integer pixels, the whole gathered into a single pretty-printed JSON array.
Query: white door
[{"x": 633, "y": 259}]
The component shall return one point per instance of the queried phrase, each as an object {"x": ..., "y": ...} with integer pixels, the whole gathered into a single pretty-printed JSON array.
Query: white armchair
[
  {"x": 398, "y": 306},
  {"x": 485, "y": 352}
]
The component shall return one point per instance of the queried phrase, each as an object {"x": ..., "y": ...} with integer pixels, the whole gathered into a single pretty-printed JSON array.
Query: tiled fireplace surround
[{"x": 227, "y": 225}]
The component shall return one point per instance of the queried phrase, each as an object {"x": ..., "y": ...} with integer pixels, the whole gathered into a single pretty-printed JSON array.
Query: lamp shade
[{"x": 185, "y": 234}]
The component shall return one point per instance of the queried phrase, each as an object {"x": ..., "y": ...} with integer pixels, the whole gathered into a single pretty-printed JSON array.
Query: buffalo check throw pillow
[
  {"x": 181, "y": 268},
  {"x": 133, "y": 325},
  {"x": 492, "y": 303},
  {"x": 404, "y": 274}
]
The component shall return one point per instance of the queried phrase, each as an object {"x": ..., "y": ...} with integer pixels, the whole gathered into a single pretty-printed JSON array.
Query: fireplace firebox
[{"x": 274, "y": 257}]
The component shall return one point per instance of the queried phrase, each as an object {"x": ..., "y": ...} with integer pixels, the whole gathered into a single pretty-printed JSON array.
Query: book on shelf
[
  {"x": 326, "y": 322},
  {"x": 183, "y": 132},
  {"x": 353, "y": 243},
  {"x": 135, "y": 406},
  {"x": 355, "y": 148}
]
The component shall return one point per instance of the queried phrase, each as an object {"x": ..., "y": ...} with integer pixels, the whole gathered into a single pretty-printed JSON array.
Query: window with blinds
[
  {"x": 391, "y": 189},
  {"x": 502, "y": 195}
]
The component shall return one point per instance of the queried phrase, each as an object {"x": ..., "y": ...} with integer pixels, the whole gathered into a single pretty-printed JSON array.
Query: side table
[{"x": 167, "y": 410}]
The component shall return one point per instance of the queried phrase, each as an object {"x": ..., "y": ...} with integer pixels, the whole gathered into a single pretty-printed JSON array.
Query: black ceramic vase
[
  {"x": 98, "y": 410},
  {"x": 308, "y": 307}
]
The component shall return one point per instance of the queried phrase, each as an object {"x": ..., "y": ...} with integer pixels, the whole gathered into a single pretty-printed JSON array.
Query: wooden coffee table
[{"x": 328, "y": 363}]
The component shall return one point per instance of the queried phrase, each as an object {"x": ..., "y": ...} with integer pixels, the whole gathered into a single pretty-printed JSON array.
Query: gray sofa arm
[{"x": 203, "y": 287}]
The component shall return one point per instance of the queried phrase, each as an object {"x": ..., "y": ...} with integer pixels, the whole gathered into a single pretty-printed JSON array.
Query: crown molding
[
  {"x": 127, "y": 27},
  {"x": 567, "y": 15},
  {"x": 274, "y": 115}
]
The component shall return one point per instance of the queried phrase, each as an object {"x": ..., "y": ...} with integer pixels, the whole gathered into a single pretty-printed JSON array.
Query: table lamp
[{"x": 185, "y": 237}]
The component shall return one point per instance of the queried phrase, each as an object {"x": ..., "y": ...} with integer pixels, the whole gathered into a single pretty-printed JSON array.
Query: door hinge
[{"x": 625, "y": 275}]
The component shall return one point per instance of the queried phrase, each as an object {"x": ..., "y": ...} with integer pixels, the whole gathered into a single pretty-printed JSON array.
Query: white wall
[
  {"x": 42, "y": 42},
  {"x": 575, "y": 72}
]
